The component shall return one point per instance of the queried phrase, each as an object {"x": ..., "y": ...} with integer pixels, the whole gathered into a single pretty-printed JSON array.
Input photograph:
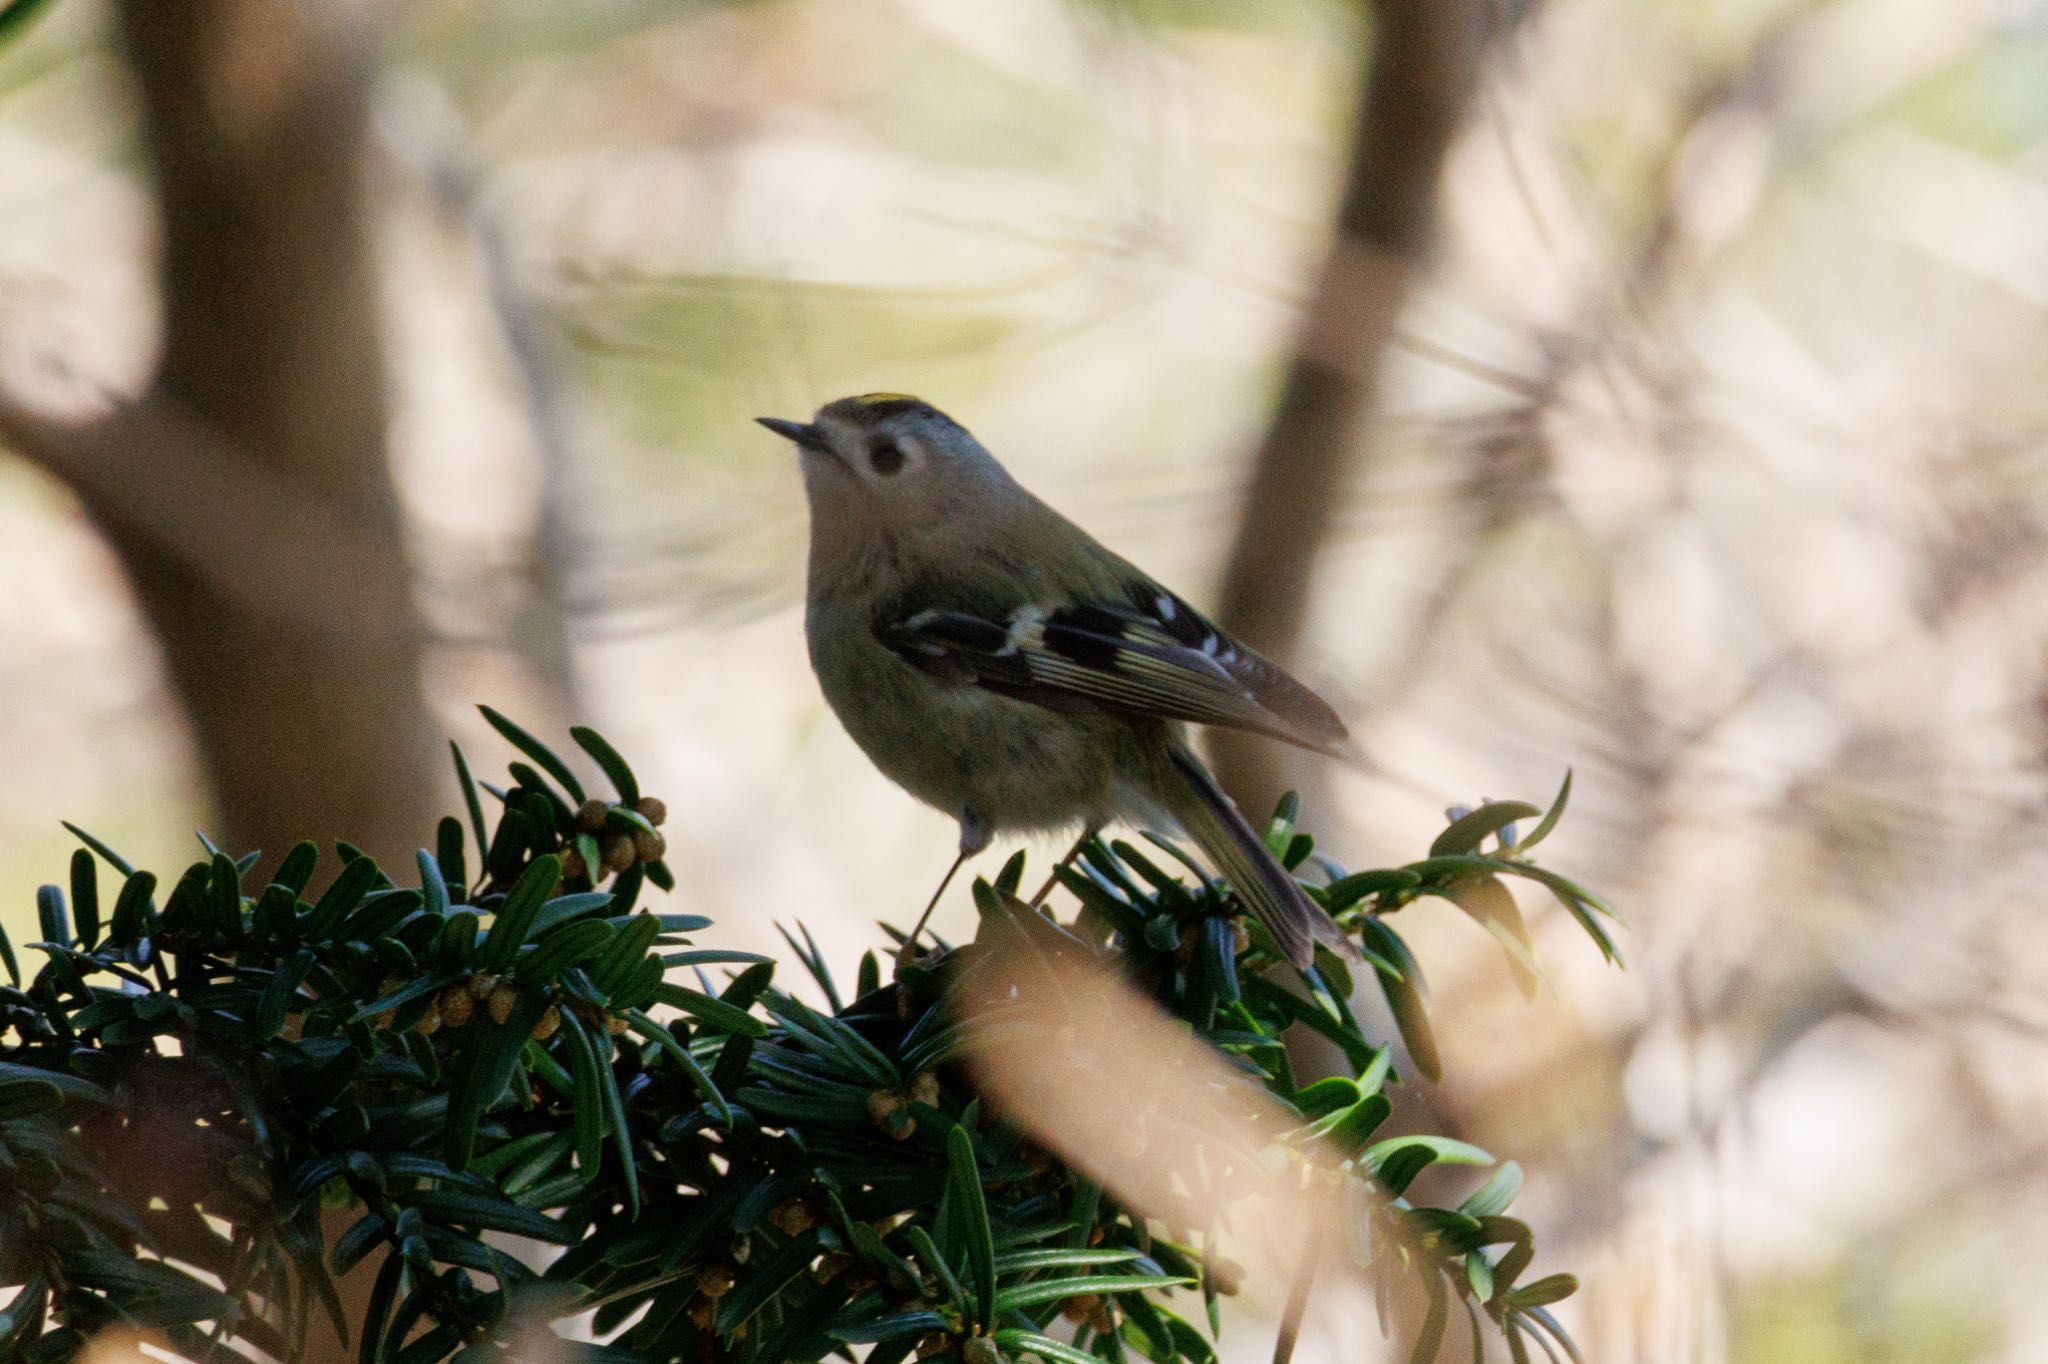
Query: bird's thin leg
[
  {"x": 1087, "y": 833},
  {"x": 975, "y": 833},
  {"x": 908, "y": 952}
]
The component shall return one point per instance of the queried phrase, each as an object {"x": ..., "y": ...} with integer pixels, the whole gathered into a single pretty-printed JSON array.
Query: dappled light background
[{"x": 1709, "y": 465}]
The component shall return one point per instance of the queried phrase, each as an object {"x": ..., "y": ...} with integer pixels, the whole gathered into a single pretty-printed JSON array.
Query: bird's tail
[{"x": 1275, "y": 899}]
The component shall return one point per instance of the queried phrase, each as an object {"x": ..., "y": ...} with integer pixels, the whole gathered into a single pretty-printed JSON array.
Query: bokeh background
[{"x": 1695, "y": 444}]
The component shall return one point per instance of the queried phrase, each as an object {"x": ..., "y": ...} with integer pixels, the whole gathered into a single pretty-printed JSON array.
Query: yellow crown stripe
[{"x": 876, "y": 399}]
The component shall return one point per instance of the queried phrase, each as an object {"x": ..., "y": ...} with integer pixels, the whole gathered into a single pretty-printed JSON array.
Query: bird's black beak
[{"x": 799, "y": 432}]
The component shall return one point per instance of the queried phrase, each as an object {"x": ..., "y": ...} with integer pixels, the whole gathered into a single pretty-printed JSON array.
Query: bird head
[{"x": 888, "y": 461}]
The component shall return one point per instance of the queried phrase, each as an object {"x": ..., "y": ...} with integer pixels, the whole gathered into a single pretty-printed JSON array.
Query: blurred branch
[
  {"x": 1424, "y": 59},
  {"x": 150, "y": 471},
  {"x": 68, "y": 451}
]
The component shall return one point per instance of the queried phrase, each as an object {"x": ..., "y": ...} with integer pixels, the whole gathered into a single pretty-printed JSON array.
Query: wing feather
[{"x": 1149, "y": 654}]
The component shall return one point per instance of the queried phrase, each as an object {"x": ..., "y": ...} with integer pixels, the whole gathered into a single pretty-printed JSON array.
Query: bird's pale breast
[{"x": 955, "y": 745}]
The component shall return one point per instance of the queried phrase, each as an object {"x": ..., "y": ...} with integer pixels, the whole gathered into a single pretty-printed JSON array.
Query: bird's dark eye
[{"x": 885, "y": 456}]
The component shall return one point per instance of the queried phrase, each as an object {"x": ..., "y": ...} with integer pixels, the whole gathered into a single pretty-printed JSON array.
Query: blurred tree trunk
[
  {"x": 247, "y": 494},
  {"x": 254, "y": 112},
  {"x": 1422, "y": 63}
]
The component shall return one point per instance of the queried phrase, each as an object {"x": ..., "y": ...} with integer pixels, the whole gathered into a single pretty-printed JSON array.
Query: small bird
[{"x": 999, "y": 664}]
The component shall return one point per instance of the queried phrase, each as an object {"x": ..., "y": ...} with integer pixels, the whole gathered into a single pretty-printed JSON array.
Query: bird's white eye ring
[{"x": 885, "y": 456}]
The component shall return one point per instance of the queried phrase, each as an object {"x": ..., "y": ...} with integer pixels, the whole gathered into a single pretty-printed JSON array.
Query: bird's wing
[{"x": 1147, "y": 654}]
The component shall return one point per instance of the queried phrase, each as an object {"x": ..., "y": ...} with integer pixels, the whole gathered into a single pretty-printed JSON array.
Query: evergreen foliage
[{"x": 512, "y": 1051}]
